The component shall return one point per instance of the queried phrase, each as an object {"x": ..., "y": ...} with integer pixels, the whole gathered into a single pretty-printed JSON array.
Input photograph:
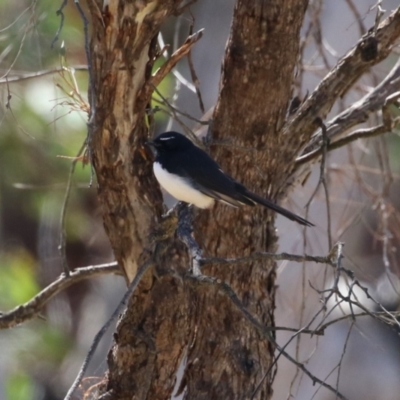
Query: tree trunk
[
  {"x": 152, "y": 334},
  {"x": 226, "y": 357}
]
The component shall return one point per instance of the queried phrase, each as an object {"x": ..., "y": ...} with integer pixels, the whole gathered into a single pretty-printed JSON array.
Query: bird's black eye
[{"x": 166, "y": 143}]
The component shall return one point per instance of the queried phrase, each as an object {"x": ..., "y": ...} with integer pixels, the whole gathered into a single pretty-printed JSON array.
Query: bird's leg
[{"x": 185, "y": 233}]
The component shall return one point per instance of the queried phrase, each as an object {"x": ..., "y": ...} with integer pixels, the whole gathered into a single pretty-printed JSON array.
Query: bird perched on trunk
[{"x": 189, "y": 174}]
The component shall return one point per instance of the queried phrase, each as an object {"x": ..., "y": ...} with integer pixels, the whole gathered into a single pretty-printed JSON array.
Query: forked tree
[
  {"x": 193, "y": 308},
  {"x": 168, "y": 318}
]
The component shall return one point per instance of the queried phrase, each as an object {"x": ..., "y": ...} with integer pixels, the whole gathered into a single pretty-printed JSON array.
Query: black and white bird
[{"x": 189, "y": 174}]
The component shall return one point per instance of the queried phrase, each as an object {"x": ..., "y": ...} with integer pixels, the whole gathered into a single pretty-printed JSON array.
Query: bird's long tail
[{"x": 278, "y": 209}]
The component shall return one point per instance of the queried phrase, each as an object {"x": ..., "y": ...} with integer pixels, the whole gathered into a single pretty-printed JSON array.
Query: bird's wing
[{"x": 196, "y": 166}]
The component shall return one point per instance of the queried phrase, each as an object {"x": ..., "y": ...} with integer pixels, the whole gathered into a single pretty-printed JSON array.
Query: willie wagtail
[{"x": 189, "y": 174}]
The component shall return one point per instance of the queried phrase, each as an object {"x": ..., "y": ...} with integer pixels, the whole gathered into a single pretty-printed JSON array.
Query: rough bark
[
  {"x": 226, "y": 357},
  {"x": 122, "y": 55},
  {"x": 151, "y": 335}
]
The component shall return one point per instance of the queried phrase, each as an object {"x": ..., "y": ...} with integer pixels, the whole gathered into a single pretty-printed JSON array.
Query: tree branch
[
  {"x": 261, "y": 255},
  {"x": 30, "y": 75},
  {"x": 372, "y": 48},
  {"x": 162, "y": 72},
  {"x": 386, "y": 93},
  {"x": 352, "y": 137},
  {"x": 59, "y": 12},
  {"x": 33, "y": 307}
]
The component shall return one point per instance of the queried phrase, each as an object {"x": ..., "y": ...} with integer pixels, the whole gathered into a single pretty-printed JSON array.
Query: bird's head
[{"x": 170, "y": 141}]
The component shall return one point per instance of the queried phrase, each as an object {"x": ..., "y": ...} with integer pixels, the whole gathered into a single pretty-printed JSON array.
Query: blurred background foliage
[{"x": 39, "y": 122}]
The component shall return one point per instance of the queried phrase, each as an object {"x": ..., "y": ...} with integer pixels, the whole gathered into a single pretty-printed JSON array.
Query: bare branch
[
  {"x": 261, "y": 255},
  {"x": 33, "y": 307},
  {"x": 387, "y": 92},
  {"x": 178, "y": 76},
  {"x": 175, "y": 111},
  {"x": 195, "y": 79},
  {"x": 370, "y": 50},
  {"x": 30, "y": 75},
  {"x": 59, "y": 12},
  {"x": 196, "y": 82},
  {"x": 22, "y": 42},
  {"x": 352, "y": 137},
  {"x": 62, "y": 247},
  {"x": 18, "y": 18},
  {"x": 380, "y": 315},
  {"x": 162, "y": 72},
  {"x": 357, "y": 16},
  {"x": 322, "y": 179}
]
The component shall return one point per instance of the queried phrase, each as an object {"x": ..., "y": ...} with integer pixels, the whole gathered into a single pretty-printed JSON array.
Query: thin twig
[
  {"x": 33, "y": 307},
  {"x": 346, "y": 342},
  {"x": 361, "y": 27},
  {"x": 297, "y": 334},
  {"x": 378, "y": 314},
  {"x": 59, "y": 12},
  {"x": 178, "y": 111},
  {"x": 187, "y": 130},
  {"x": 266, "y": 256},
  {"x": 322, "y": 180},
  {"x": 92, "y": 101},
  {"x": 178, "y": 85},
  {"x": 174, "y": 71},
  {"x": 325, "y": 142},
  {"x": 21, "y": 45},
  {"x": 162, "y": 72},
  {"x": 20, "y": 15},
  {"x": 195, "y": 79},
  {"x": 31, "y": 75},
  {"x": 352, "y": 137},
  {"x": 62, "y": 246}
]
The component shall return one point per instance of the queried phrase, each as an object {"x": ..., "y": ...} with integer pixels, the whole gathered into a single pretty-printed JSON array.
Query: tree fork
[{"x": 226, "y": 356}]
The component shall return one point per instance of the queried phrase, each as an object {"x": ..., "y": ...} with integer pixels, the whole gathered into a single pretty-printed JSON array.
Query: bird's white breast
[{"x": 180, "y": 188}]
